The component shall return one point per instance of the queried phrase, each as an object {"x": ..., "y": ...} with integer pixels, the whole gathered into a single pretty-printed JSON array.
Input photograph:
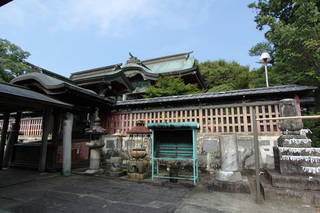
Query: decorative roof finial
[{"x": 133, "y": 59}]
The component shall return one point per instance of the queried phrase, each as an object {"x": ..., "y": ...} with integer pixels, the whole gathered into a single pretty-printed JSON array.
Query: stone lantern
[
  {"x": 137, "y": 165},
  {"x": 95, "y": 145}
]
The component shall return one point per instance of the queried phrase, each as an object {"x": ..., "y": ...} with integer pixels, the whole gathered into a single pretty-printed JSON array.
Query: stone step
[
  {"x": 304, "y": 151},
  {"x": 294, "y": 141},
  {"x": 299, "y": 165},
  {"x": 303, "y": 159},
  {"x": 311, "y": 170},
  {"x": 302, "y": 182},
  {"x": 285, "y": 194}
]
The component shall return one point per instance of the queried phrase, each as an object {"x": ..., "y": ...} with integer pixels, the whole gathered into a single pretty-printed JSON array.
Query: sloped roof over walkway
[
  {"x": 17, "y": 98},
  {"x": 62, "y": 90}
]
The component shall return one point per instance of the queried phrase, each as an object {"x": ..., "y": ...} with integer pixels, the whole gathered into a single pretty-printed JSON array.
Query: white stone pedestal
[
  {"x": 230, "y": 170},
  {"x": 228, "y": 178},
  {"x": 95, "y": 157}
]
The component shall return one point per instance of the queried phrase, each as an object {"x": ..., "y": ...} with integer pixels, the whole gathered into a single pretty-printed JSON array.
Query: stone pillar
[
  {"x": 95, "y": 157},
  {"x": 229, "y": 159},
  {"x": 67, "y": 143},
  {"x": 228, "y": 178}
]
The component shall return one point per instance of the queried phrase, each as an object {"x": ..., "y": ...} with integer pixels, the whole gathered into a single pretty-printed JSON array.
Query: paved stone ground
[
  {"x": 24, "y": 191},
  {"x": 88, "y": 194},
  {"x": 202, "y": 201}
]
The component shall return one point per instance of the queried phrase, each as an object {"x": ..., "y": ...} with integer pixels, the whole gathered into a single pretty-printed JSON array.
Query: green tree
[
  {"x": 314, "y": 126},
  {"x": 261, "y": 47},
  {"x": 222, "y": 76},
  {"x": 293, "y": 31},
  {"x": 293, "y": 34},
  {"x": 168, "y": 86},
  {"x": 12, "y": 60}
]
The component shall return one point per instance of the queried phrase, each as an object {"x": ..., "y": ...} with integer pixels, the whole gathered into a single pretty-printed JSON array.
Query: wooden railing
[
  {"x": 233, "y": 118},
  {"x": 28, "y": 126}
]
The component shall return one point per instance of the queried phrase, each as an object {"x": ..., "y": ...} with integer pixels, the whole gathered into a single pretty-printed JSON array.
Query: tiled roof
[
  {"x": 53, "y": 84},
  {"x": 26, "y": 94},
  {"x": 217, "y": 95},
  {"x": 161, "y": 65}
]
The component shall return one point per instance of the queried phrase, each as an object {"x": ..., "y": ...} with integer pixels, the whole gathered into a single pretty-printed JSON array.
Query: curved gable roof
[{"x": 53, "y": 86}]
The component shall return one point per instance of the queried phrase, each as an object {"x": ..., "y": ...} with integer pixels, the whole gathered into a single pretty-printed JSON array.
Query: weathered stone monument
[
  {"x": 297, "y": 164},
  {"x": 96, "y": 143},
  {"x": 229, "y": 178}
]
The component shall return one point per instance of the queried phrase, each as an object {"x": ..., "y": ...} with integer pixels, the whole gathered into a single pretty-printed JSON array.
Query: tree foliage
[
  {"x": 168, "y": 86},
  {"x": 222, "y": 76},
  {"x": 12, "y": 60},
  {"x": 293, "y": 33},
  {"x": 314, "y": 126},
  {"x": 260, "y": 48}
]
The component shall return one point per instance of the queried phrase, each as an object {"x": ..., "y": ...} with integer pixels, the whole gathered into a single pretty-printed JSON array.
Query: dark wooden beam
[
  {"x": 56, "y": 135},
  {"x": 4, "y": 131},
  {"x": 46, "y": 120},
  {"x": 13, "y": 138},
  {"x": 3, "y": 2}
]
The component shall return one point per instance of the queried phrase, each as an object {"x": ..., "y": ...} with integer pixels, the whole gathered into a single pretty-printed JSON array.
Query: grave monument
[{"x": 297, "y": 164}]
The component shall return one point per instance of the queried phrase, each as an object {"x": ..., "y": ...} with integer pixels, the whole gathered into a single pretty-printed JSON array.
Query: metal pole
[
  {"x": 266, "y": 73},
  {"x": 256, "y": 154},
  {"x": 152, "y": 155}
]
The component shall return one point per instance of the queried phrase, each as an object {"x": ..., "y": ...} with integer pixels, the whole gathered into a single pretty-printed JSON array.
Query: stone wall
[{"x": 208, "y": 149}]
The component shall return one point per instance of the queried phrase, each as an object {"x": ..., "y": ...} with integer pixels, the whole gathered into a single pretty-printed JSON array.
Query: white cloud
[
  {"x": 109, "y": 16},
  {"x": 112, "y": 17}
]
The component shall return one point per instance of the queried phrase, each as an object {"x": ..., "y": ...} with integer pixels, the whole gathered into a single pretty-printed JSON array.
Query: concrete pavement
[{"x": 54, "y": 193}]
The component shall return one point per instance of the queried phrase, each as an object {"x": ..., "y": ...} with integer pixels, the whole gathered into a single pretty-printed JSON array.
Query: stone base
[
  {"x": 115, "y": 174},
  {"x": 287, "y": 194},
  {"x": 137, "y": 176},
  {"x": 93, "y": 172},
  {"x": 301, "y": 182},
  {"x": 228, "y": 176},
  {"x": 241, "y": 186}
]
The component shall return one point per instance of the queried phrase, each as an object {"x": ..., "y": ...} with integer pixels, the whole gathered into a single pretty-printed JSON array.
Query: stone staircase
[
  {"x": 297, "y": 171},
  {"x": 295, "y": 156}
]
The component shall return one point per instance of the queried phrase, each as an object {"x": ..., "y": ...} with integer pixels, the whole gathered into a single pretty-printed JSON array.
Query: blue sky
[{"x": 66, "y": 36}]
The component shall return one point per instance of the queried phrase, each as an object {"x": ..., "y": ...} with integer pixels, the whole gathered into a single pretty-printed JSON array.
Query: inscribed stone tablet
[
  {"x": 264, "y": 142},
  {"x": 245, "y": 142},
  {"x": 110, "y": 144},
  {"x": 210, "y": 145}
]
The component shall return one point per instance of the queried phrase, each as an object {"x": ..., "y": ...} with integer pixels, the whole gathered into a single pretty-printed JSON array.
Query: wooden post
[
  {"x": 256, "y": 154},
  {"x": 4, "y": 131},
  {"x": 13, "y": 137},
  {"x": 55, "y": 136},
  {"x": 46, "y": 120}
]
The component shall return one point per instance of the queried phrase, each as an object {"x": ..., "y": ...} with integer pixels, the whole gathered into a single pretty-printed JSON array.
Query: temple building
[
  {"x": 114, "y": 95},
  {"x": 130, "y": 80}
]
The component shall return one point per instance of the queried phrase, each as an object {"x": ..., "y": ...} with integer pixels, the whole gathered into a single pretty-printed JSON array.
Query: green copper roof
[
  {"x": 187, "y": 125},
  {"x": 171, "y": 66},
  {"x": 156, "y": 66}
]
